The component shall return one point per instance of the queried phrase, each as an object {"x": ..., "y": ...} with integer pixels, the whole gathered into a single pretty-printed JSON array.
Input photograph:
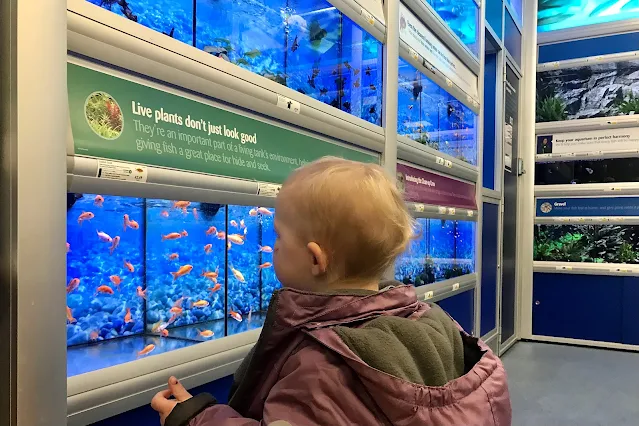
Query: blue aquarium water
[
  {"x": 462, "y": 16},
  {"x": 429, "y": 115},
  {"x": 307, "y": 45},
  {"x": 162, "y": 273},
  {"x": 558, "y": 15},
  {"x": 442, "y": 249}
]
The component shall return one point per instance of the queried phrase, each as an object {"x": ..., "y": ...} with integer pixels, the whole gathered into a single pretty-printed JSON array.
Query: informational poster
[
  {"x": 586, "y": 206},
  {"x": 511, "y": 117},
  {"x": 423, "y": 41},
  {"x": 118, "y": 119},
  {"x": 420, "y": 186},
  {"x": 508, "y": 146},
  {"x": 602, "y": 141}
]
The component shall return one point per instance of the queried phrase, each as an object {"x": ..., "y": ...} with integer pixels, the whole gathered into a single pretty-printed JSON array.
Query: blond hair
[{"x": 354, "y": 212}]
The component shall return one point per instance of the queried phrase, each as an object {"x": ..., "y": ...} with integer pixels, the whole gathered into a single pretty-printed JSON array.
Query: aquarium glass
[
  {"x": 494, "y": 14},
  {"x": 147, "y": 276},
  {"x": 587, "y": 243},
  {"x": 307, "y": 45},
  {"x": 512, "y": 38},
  {"x": 516, "y": 6},
  {"x": 558, "y": 15},
  {"x": 431, "y": 116},
  {"x": 462, "y": 16},
  {"x": 587, "y": 171},
  {"x": 600, "y": 90},
  {"x": 442, "y": 249}
]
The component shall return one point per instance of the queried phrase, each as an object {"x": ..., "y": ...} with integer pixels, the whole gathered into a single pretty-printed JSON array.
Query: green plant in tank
[
  {"x": 607, "y": 243},
  {"x": 455, "y": 271},
  {"x": 626, "y": 254},
  {"x": 427, "y": 275},
  {"x": 628, "y": 105},
  {"x": 551, "y": 108}
]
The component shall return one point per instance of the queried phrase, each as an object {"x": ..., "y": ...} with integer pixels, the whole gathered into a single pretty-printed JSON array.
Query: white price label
[
  {"x": 455, "y": 286},
  {"x": 620, "y": 270},
  {"x": 598, "y": 58},
  {"x": 268, "y": 189},
  {"x": 612, "y": 188},
  {"x": 440, "y": 161},
  {"x": 413, "y": 54},
  {"x": 555, "y": 64},
  {"x": 581, "y": 219},
  {"x": 289, "y": 104},
  {"x": 563, "y": 268},
  {"x": 420, "y": 208},
  {"x": 428, "y": 295},
  {"x": 368, "y": 17},
  {"x": 442, "y": 210},
  {"x": 476, "y": 104},
  {"x": 448, "y": 164},
  {"x": 469, "y": 99},
  {"x": 451, "y": 211},
  {"x": 116, "y": 170},
  {"x": 449, "y": 82},
  {"x": 471, "y": 213}
]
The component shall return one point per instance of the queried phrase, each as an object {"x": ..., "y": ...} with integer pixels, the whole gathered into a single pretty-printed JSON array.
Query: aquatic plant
[
  {"x": 103, "y": 115},
  {"x": 551, "y": 108},
  {"x": 628, "y": 105},
  {"x": 456, "y": 271}
]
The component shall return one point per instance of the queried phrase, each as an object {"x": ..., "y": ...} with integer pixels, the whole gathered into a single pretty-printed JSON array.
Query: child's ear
[{"x": 320, "y": 261}]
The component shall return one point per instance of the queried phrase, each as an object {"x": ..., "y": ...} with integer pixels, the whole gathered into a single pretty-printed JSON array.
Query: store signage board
[
  {"x": 420, "y": 186},
  {"x": 423, "y": 41},
  {"x": 588, "y": 207},
  {"x": 118, "y": 119},
  {"x": 602, "y": 141}
]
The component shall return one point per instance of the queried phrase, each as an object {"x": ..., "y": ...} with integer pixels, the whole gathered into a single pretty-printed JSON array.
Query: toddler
[{"x": 339, "y": 346}]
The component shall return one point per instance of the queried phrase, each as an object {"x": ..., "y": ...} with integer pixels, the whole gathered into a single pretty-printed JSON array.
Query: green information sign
[{"x": 118, "y": 119}]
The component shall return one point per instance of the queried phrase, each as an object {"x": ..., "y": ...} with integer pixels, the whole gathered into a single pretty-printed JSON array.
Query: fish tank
[
  {"x": 587, "y": 243},
  {"x": 587, "y": 171},
  {"x": 462, "y": 17},
  {"x": 440, "y": 250},
  {"x": 599, "y": 90},
  {"x": 307, "y": 45},
  {"x": 148, "y": 276},
  {"x": 431, "y": 116},
  {"x": 559, "y": 15}
]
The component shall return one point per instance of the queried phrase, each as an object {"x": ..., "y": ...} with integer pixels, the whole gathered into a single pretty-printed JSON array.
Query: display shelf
[
  {"x": 99, "y": 34},
  {"x": 591, "y": 60},
  {"x": 491, "y": 196},
  {"x": 588, "y": 31},
  {"x": 371, "y": 20},
  {"x": 593, "y": 220},
  {"x": 586, "y": 124},
  {"x": 587, "y": 189},
  {"x": 430, "y": 211},
  {"x": 432, "y": 20},
  {"x": 587, "y": 268},
  {"x": 444, "y": 289},
  {"x": 425, "y": 156}
]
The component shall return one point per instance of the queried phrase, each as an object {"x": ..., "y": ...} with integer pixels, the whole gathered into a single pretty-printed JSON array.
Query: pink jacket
[{"x": 302, "y": 371}]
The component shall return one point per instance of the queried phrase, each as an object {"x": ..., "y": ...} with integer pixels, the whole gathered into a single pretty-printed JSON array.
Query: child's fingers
[
  {"x": 178, "y": 391},
  {"x": 161, "y": 403}
]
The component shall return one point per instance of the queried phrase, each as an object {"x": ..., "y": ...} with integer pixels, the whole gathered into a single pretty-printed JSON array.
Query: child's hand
[{"x": 161, "y": 402}]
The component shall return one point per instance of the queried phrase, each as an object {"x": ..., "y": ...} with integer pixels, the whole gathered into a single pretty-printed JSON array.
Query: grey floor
[{"x": 555, "y": 385}]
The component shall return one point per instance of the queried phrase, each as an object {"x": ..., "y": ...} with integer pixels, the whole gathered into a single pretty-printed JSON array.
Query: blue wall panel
[
  {"x": 146, "y": 416},
  {"x": 490, "y": 93},
  {"x": 462, "y": 308},
  {"x": 630, "y": 333},
  {"x": 589, "y": 47},
  {"x": 489, "y": 256},
  {"x": 587, "y": 307}
]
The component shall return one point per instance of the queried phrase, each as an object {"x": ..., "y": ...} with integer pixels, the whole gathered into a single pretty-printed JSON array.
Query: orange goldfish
[
  {"x": 181, "y": 204},
  {"x": 105, "y": 289},
  {"x": 125, "y": 224},
  {"x": 237, "y": 274},
  {"x": 115, "y": 279},
  {"x": 201, "y": 304},
  {"x": 85, "y": 216},
  {"x": 265, "y": 265},
  {"x": 94, "y": 336},
  {"x": 211, "y": 230},
  {"x": 176, "y": 310},
  {"x": 264, "y": 211},
  {"x": 206, "y": 333},
  {"x": 233, "y": 224},
  {"x": 164, "y": 333},
  {"x": 159, "y": 326},
  {"x": 129, "y": 266},
  {"x": 236, "y": 239},
  {"x": 171, "y": 320},
  {"x": 184, "y": 233},
  {"x": 236, "y": 316},
  {"x": 207, "y": 248},
  {"x": 253, "y": 212},
  {"x": 98, "y": 200},
  {"x": 178, "y": 303},
  {"x": 215, "y": 288},
  {"x": 174, "y": 256},
  {"x": 104, "y": 237},
  {"x": 185, "y": 269},
  {"x": 68, "y": 247},
  {"x": 265, "y": 249},
  {"x": 171, "y": 236},
  {"x": 146, "y": 350},
  {"x": 73, "y": 284},
  {"x": 141, "y": 293},
  {"x": 133, "y": 224},
  {"x": 70, "y": 316},
  {"x": 114, "y": 244},
  {"x": 228, "y": 245},
  {"x": 242, "y": 226},
  {"x": 221, "y": 235},
  {"x": 195, "y": 215},
  {"x": 127, "y": 317},
  {"x": 211, "y": 275},
  {"x": 164, "y": 213}
]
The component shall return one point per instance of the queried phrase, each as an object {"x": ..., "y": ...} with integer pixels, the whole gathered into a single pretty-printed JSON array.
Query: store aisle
[{"x": 556, "y": 385}]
